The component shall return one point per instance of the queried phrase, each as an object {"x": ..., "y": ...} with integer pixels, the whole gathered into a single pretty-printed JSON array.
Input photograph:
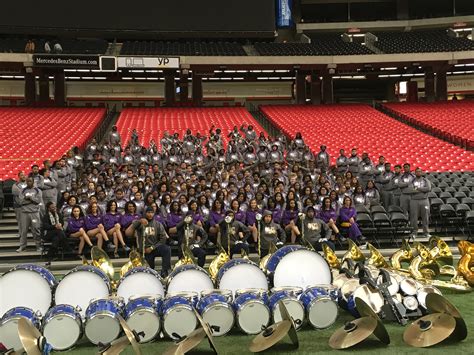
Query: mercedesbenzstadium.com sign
[{"x": 66, "y": 61}]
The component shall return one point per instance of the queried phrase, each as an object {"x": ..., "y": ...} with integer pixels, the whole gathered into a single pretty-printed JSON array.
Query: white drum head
[
  {"x": 295, "y": 309},
  {"x": 180, "y": 321},
  {"x": 102, "y": 329},
  {"x": 190, "y": 281},
  {"x": 252, "y": 317},
  {"x": 79, "y": 288},
  {"x": 62, "y": 332},
  {"x": 9, "y": 335},
  {"x": 24, "y": 288},
  {"x": 373, "y": 298},
  {"x": 323, "y": 313},
  {"x": 146, "y": 322},
  {"x": 140, "y": 283},
  {"x": 302, "y": 268},
  {"x": 221, "y": 317},
  {"x": 243, "y": 276}
]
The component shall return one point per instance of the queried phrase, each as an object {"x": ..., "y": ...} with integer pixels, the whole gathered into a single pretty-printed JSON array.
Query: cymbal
[
  {"x": 366, "y": 311},
  {"x": 292, "y": 331},
  {"x": 270, "y": 336},
  {"x": 188, "y": 343},
  {"x": 132, "y": 336},
  {"x": 29, "y": 336},
  {"x": 439, "y": 304},
  {"x": 116, "y": 347},
  {"x": 353, "y": 333},
  {"x": 429, "y": 330},
  {"x": 207, "y": 330}
]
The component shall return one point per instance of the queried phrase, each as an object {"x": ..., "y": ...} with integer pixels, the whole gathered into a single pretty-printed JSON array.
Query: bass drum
[
  {"x": 239, "y": 274},
  {"x": 189, "y": 278},
  {"x": 140, "y": 281},
  {"x": 302, "y": 268}
]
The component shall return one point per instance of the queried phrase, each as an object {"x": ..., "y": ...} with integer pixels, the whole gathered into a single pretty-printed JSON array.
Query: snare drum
[
  {"x": 189, "y": 278},
  {"x": 251, "y": 310},
  {"x": 27, "y": 286},
  {"x": 216, "y": 309},
  {"x": 321, "y": 310},
  {"x": 140, "y": 281},
  {"x": 143, "y": 315},
  {"x": 81, "y": 285},
  {"x": 179, "y": 319},
  {"x": 102, "y": 323},
  {"x": 297, "y": 269},
  {"x": 9, "y": 326},
  {"x": 62, "y": 327},
  {"x": 289, "y": 296},
  {"x": 238, "y": 274},
  {"x": 410, "y": 303}
]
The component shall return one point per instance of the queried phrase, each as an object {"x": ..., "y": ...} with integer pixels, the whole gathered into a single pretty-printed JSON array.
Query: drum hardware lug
[
  {"x": 267, "y": 331},
  {"x": 215, "y": 328}
]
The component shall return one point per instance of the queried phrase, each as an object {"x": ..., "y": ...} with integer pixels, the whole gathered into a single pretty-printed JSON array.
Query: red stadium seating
[
  {"x": 30, "y": 136},
  {"x": 151, "y": 123},
  {"x": 453, "y": 120},
  {"x": 347, "y": 126}
]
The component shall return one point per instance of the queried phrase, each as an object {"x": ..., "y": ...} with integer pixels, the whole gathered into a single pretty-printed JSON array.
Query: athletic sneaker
[
  {"x": 428, "y": 235},
  {"x": 20, "y": 250},
  {"x": 126, "y": 248},
  {"x": 363, "y": 246},
  {"x": 174, "y": 242},
  {"x": 39, "y": 249}
]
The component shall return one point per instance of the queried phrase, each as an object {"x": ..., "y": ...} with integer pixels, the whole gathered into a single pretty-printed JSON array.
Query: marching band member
[
  {"x": 194, "y": 236},
  {"x": 233, "y": 234},
  {"x": 419, "y": 203},
  {"x": 29, "y": 200},
  {"x": 270, "y": 232}
]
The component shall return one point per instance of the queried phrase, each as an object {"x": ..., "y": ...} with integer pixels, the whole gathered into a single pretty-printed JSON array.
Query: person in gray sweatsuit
[
  {"x": 419, "y": 202},
  {"x": 16, "y": 189},
  {"x": 48, "y": 187},
  {"x": 404, "y": 183},
  {"x": 30, "y": 199}
]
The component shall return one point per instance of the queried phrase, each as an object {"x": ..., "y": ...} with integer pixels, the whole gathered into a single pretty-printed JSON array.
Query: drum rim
[
  {"x": 48, "y": 317},
  {"x": 87, "y": 268},
  {"x": 258, "y": 291},
  {"x": 288, "y": 249},
  {"x": 234, "y": 262},
  {"x": 180, "y": 305},
  {"x": 78, "y": 322},
  {"x": 30, "y": 267}
]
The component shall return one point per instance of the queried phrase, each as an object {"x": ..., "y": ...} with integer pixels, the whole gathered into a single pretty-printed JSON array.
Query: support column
[
  {"x": 184, "y": 85},
  {"x": 328, "y": 90},
  {"x": 300, "y": 87},
  {"x": 441, "y": 85},
  {"x": 429, "y": 85},
  {"x": 170, "y": 89},
  {"x": 315, "y": 88},
  {"x": 59, "y": 89},
  {"x": 197, "y": 88},
  {"x": 43, "y": 88},
  {"x": 412, "y": 91},
  {"x": 30, "y": 89}
]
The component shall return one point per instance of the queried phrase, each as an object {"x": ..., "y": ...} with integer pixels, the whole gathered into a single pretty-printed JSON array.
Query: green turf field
[{"x": 312, "y": 341}]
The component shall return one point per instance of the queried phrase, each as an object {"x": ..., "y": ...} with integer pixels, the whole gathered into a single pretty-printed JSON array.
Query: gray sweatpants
[
  {"x": 405, "y": 203},
  {"x": 419, "y": 208},
  {"x": 29, "y": 221},
  {"x": 18, "y": 219}
]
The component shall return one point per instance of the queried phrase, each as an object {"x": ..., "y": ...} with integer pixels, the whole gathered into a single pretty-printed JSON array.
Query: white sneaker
[
  {"x": 20, "y": 250},
  {"x": 428, "y": 235},
  {"x": 363, "y": 246},
  {"x": 39, "y": 249}
]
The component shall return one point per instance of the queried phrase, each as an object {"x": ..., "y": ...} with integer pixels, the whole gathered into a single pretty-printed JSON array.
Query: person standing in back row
[
  {"x": 404, "y": 183},
  {"x": 419, "y": 203},
  {"x": 30, "y": 199},
  {"x": 16, "y": 189}
]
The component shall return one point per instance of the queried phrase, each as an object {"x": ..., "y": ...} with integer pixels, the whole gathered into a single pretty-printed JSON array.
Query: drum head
[
  {"x": 302, "y": 268},
  {"x": 323, "y": 313},
  {"x": 62, "y": 332},
  {"x": 147, "y": 322},
  {"x": 252, "y": 317},
  {"x": 220, "y": 318},
  {"x": 190, "y": 281},
  {"x": 140, "y": 284},
  {"x": 79, "y": 288},
  {"x": 13, "y": 291},
  {"x": 180, "y": 321},
  {"x": 243, "y": 276},
  {"x": 102, "y": 329},
  {"x": 295, "y": 309},
  {"x": 9, "y": 335}
]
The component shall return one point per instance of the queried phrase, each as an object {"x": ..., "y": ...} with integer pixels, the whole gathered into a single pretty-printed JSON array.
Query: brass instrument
[
  {"x": 423, "y": 266},
  {"x": 405, "y": 253},
  {"x": 244, "y": 255},
  {"x": 220, "y": 259},
  {"x": 466, "y": 263},
  {"x": 101, "y": 260},
  {"x": 264, "y": 261},
  {"x": 440, "y": 251},
  {"x": 135, "y": 260},
  {"x": 304, "y": 241},
  {"x": 376, "y": 258},
  {"x": 354, "y": 252},
  {"x": 188, "y": 257},
  {"x": 258, "y": 217},
  {"x": 330, "y": 257}
]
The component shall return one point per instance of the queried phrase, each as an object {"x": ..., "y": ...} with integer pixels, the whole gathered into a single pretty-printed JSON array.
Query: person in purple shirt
[
  {"x": 111, "y": 222},
  {"x": 95, "y": 228},
  {"x": 128, "y": 217},
  {"x": 174, "y": 217},
  {"x": 216, "y": 215},
  {"x": 347, "y": 218},
  {"x": 158, "y": 217},
  {"x": 290, "y": 215},
  {"x": 197, "y": 217},
  {"x": 76, "y": 225},
  {"x": 239, "y": 215},
  {"x": 251, "y": 220},
  {"x": 276, "y": 210},
  {"x": 329, "y": 215}
]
